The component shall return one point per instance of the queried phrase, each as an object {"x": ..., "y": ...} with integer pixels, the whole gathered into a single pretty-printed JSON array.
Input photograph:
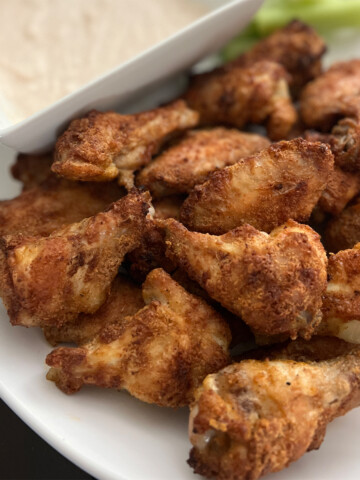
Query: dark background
[{"x": 25, "y": 456}]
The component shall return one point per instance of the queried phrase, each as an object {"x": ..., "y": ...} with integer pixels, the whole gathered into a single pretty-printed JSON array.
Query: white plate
[{"x": 116, "y": 437}]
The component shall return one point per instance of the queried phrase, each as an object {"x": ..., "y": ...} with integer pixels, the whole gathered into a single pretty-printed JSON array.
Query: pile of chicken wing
[{"x": 191, "y": 261}]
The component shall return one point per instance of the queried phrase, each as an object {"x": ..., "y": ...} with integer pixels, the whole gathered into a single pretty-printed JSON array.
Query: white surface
[
  {"x": 168, "y": 58},
  {"x": 113, "y": 436}
]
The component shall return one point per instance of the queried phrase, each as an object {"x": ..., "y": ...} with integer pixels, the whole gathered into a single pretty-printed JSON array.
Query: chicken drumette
[
  {"x": 256, "y": 417},
  {"x": 104, "y": 146},
  {"x": 160, "y": 354}
]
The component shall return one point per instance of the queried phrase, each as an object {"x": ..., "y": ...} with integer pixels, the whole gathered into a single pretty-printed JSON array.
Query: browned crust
[
  {"x": 160, "y": 354},
  {"x": 50, "y": 280},
  {"x": 262, "y": 415},
  {"x": 32, "y": 170},
  {"x": 297, "y": 47},
  {"x": 257, "y": 93},
  {"x": 102, "y": 146},
  {"x": 274, "y": 283},
  {"x": 283, "y": 181},
  {"x": 331, "y": 96},
  {"x": 187, "y": 163}
]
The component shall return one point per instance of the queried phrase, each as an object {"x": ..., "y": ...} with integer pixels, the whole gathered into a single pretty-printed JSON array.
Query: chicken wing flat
[
  {"x": 54, "y": 203},
  {"x": 31, "y": 170},
  {"x": 341, "y": 188},
  {"x": 281, "y": 182},
  {"x": 297, "y": 47},
  {"x": 125, "y": 299},
  {"x": 273, "y": 282},
  {"x": 104, "y": 146},
  {"x": 237, "y": 96},
  {"x": 51, "y": 280},
  {"x": 160, "y": 354},
  {"x": 343, "y": 232},
  {"x": 186, "y": 164},
  {"x": 256, "y": 417},
  {"x": 331, "y": 96},
  {"x": 341, "y": 302}
]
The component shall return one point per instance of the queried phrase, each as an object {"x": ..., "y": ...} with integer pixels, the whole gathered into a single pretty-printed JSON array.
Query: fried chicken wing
[
  {"x": 104, "y": 146},
  {"x": 186, "y": 164},
  {"x": 51, "y": 280},
  {"x": 32, "y": 170},
  {"x": 160, "y": 354},
  {"x": 281, "y": 182},
  {"x": 273, "y": 282},
  {"x": 54, "y": 203},
  {"x": 125, "y": 299},
  {"x": 331, "y": 96},
  {"x": 297, "y": 47},
  {"x": 343, "y": 232},
  {"x": 256, "y": 417},
  {"x": 341, "y": 302},
  {"x": 236, "y": 96}
]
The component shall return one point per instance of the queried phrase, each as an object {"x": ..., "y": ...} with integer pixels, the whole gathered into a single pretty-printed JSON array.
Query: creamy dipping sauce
[{"x": 52, "y": 47}]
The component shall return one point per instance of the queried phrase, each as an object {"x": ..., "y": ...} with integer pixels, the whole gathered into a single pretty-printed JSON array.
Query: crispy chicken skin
[
  {"x": 331, "y": 96},
  {"x": 341, "y": 188},
  {"x": 273, "y": 282},
  {"x": 341, "y": 302},
  {"x": 343, "y": 232},
  {"x": 51, "y": 280},
  {"x": 125, "y": 299},
  {"x": 31, "y": 170},
  {"x": 54, "y": 203},
  {"x": 160, "y": 354},
  {"x": 281, "y": 182},
  {"x": 104, "y": 146},
  {"x": 186, "y": 164},
  {"x": 237, "y": 96},
  {"x": 297, "y": 47},
  {"x": 256, "y": 417}
]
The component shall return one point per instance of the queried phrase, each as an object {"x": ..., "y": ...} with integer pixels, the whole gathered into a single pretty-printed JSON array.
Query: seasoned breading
[
  {"x": 103, "y": 146},
  {"x": 344, "y": 231},
  {"x": 297, "y": 47},
  {"x": 341, "y": 302},
  {"x": 53, "y": 204},
  {"x": 281, "y": 182},
  {"x": 160, "y": 354},
  {"x": 51, "y": 280},
  {"x": 32, "y": 170},
  {"x": 187, "y": 163},
  {"x": 237, "y": 96},
  {"x": 273, "y": 282},
  {"x": 256, "y": 417},
  {"x": 331, "y": 96},
  {"x": 125, "y": 299}
]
